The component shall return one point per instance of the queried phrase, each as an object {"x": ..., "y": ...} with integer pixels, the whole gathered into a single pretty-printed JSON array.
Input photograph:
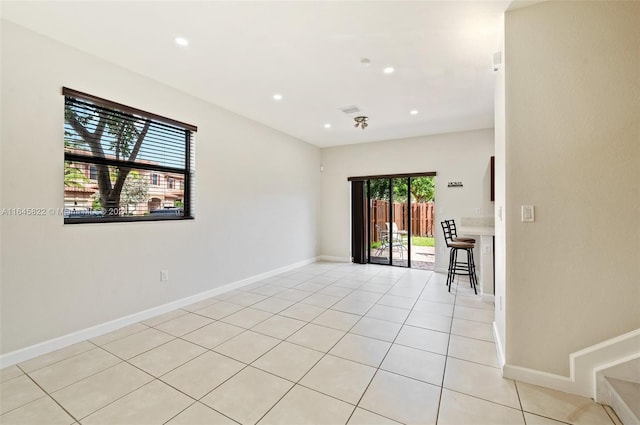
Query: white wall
[
  {"x": 257, "y": 195},
  {"x": 461, "y": 157},
  {"x": 572, "y": 150}
]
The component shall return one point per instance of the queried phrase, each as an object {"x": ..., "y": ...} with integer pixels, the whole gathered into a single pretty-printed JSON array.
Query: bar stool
[
  {"x": 456, "y": 267},
  {"x": 454, "y": 233}
]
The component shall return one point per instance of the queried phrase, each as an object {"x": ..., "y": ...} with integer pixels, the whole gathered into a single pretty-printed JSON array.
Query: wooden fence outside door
[{"x": 422, "y": 217}]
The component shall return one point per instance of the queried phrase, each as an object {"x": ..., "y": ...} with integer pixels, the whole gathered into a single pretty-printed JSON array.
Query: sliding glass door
[
  {"x": 421, "y": 207},
  {"x": 381, "y": 245},
  {"x": 392, "y": 220},
  {"x": 389, "y": 233},
  {"x": 399, "y": 228}
]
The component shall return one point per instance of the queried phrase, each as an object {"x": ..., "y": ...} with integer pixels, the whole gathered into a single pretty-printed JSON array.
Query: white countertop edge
[{"x": 476, "y": 230}]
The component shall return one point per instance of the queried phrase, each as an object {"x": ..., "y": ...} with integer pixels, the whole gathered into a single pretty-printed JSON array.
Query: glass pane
[
  {"x": 422, "y": 222},
  {"x": 399, "y": 224},
  {"x": 365, "y": 191},
  {"x": 378, "y": 219},
  {"x": 134, "y": 192},
  {"x": 124, "y": 137}
]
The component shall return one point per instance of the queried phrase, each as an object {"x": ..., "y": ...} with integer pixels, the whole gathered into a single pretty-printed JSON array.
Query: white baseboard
[
  {"x": 45, "y": 347},
  {"x": 583, "y": 366},
  {"x": 499, "y": 348},
  {"x": 609, "y": 395},
  {"x": 334, "y": 259},
  {"x": 603, "y": 395}
]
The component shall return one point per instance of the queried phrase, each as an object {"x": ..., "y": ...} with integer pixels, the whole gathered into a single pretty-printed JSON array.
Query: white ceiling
[{"x": 241, "y": 53}]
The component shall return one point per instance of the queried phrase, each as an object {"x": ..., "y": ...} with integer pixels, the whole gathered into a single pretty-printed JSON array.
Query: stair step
[{"x": 625, "y": 400}]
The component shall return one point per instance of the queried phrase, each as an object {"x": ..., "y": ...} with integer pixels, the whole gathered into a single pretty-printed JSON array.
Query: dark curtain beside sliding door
[{"x": 358, "y": 223}]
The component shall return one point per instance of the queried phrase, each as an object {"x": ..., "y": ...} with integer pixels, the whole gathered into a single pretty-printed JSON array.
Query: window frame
[
  {"x": 90, "y": 160},
  {"x": 93, "y": 172}
]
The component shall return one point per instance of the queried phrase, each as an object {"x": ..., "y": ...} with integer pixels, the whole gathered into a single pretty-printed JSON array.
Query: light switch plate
[{"x": 528, "y": 213}]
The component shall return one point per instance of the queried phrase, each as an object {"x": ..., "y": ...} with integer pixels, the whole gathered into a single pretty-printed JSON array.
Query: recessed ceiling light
[
  {"x": 327, "y": 125},
  {"x": 365, "y": 62},
  {"x": 277, "y": 96},
  {"x": 414, "y": 112},
  {"x": 388, "y": 70},
  {"x": 181, "y": 41}
]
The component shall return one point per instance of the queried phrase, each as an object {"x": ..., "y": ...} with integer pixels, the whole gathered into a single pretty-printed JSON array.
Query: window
[{"x": 125, "y": 150}]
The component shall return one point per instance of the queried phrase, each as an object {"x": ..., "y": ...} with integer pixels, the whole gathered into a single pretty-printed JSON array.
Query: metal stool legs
[{"x": 467, "y": 268}]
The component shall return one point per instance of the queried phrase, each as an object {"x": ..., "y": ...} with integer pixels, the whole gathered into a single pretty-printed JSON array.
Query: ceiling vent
[{"x": 353, "y": 109}]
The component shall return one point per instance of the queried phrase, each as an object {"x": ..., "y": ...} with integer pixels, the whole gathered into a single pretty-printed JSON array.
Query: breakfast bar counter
[{"x": 484, "y": 231}]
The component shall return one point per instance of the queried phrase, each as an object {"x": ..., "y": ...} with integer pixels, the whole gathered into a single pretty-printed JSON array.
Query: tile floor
[{"x": 327, "y": 343}]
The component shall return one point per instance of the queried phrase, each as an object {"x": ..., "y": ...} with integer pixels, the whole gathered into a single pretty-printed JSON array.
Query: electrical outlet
[
  {"x": 164, "y": 275},
  {"x": 477, "y": 210}
]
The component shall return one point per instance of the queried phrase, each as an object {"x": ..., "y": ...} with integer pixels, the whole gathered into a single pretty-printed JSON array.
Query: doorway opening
[{"x": 393, "y": 220}]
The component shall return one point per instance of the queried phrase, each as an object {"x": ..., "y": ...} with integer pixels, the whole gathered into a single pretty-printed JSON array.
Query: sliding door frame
[{"x": 358, "y": 198}]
